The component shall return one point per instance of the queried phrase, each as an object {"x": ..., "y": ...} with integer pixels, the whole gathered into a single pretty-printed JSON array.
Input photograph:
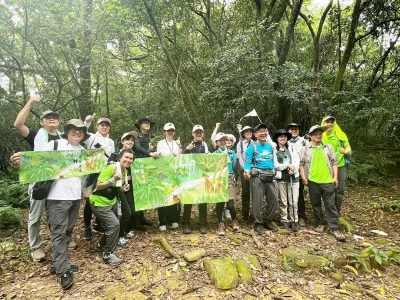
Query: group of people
[{"x": 277, "y": 167}]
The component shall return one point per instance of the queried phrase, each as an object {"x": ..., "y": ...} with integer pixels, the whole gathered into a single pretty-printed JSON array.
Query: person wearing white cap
[
  {"x": 246, "y": 140},
  {"x": 196, "y": 146},
  {"x": 167, "y": 146},
  {"x": 37, "y": 140},
  {"x": 100, "y": 139},
  {"x": 319, "y": 171}
]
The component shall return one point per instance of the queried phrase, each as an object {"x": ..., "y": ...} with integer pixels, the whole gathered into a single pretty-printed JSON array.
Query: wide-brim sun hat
[
  {"x": 245, "y": 128},
  {"x": 128, "y": 134},
  {"x": 49, "y": 113},
  {"x": 142, "y": 119},
  {"x": 317, "y": 127},
  {"x": 231, "y": 137},
  {"x": 75, "y": 123},
  {"x": 220, "y": 136},
  {"x": 281, "y": 132}
]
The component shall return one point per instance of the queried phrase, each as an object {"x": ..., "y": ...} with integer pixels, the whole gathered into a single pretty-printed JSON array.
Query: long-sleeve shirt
[
  {"x": 241, "y": 150},
  {"x": 231, "y": 158},
  {"x": 264, "y": 159},
  {"x": 142, "y": 145}
]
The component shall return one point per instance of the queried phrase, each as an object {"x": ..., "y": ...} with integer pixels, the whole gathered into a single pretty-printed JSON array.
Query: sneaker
[
  {"x": 131, "y": 235},
  {"x": 99, "y": 248},
  {"x": 203, "y": 228},
  {"x": 294, "y": 226},
  {"x": 122, "y": 243},
  {"x": 163, "y": 227},
  {"x": 227, "y": 214},
  {"x": 259, "y": 229},
  {"x": 88, "y": 233},
  {"x": 111, "y": 258},
  {"x": 38, "y": 254},
  {"x": 235, "y": 225},
  {"x": 270, "y": 226},
  {"x": 174, "y": 225},
  {"x": 98, "y": 228},
  {"x": 221, "y": 229},
  {"x": 302, "y": 222},
  {"x": 71, "y": 245},
  {"x": 320, "y": 228},
  {"x": 186, "y": 229},
  {"x": 285, "y": 225},
  {"x": 73, "y": 269},
  {"x": 67, "y": 280},
  {"x": 339, "y": 236}
]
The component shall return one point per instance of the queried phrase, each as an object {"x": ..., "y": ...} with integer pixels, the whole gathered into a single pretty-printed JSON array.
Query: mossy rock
[
  {"x": 338, "y": 277},
  {"x": 346, "y": 224},
  {"x": 282, "y": 231},
  {"x": 235, "y": 239},
  {"x": 244, "y": 271},
  {"x": 254, "y": 261},
  {"x": 115, "y": 292},
  {"x": 383, "y": 242},
  {"x": 223, "y": 272},
  {"x": 303, "y": 259},
  {"x": 194, "y": 255},
  {"x": 352, "y": 287},
  {"x": 10, "y": 220}
]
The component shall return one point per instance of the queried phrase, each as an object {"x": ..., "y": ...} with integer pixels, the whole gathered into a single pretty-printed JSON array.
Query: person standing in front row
[
  {"x": 335, "y": 137},
  {"x": 260, "y": 165},
  {"x": 167, "y": 146},
  {"x": 319, "y": 171},
  {"x": 196, "y": 146}
]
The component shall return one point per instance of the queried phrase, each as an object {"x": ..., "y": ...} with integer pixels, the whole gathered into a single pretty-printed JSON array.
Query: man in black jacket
[{"x": 196, "y": 146}]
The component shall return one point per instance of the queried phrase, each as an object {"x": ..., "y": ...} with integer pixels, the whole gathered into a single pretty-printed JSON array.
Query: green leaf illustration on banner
[
  {"x": 38, "y": 166},
  {"x": 186, "y": 179}
]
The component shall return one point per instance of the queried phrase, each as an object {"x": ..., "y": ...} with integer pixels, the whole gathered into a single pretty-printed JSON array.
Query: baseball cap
[
  {"x": 48, "y": 113},
  {"x": 317, "y": 127},
  {"x": 169, "y": 126},
  {"x": 220, "y": 135},
  {"x": 326, "y": 118},
  {"x": 259, "y": 126},
  {"x": 197, "y": 127},
  {"x": 104, "y": 120}
]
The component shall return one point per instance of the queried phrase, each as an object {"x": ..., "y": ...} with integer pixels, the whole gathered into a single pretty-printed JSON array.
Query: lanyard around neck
[{"x": 172, "y": 144}]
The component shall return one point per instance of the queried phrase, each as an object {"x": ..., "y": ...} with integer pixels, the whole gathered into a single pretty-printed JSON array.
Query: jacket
[
  {"x": 294, "y": 161},
  {"x": 306, "y": 155}
]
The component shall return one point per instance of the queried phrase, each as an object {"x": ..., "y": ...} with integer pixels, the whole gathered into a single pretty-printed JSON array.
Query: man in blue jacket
[{"x": 259, "y": 165}]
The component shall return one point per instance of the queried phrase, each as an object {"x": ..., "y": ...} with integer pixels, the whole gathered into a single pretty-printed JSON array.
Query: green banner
[
  {"x": 38, "y": 166},
  {"x": 186, "y": 179}
]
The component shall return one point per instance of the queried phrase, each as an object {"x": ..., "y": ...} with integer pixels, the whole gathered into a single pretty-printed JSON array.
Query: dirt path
[{"x": 147, "y": 272}]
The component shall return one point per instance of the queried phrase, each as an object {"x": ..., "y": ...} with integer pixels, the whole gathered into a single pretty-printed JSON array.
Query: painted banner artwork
[
  {"x": 38, "y": 166},
  {"x": 186, "y": 179}
]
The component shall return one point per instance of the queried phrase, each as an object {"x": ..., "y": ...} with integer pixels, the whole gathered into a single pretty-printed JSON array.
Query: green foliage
[
  {"x": 378, "y": 256},
  {"x": 289, "y": 263},
  {"x": 12, "y": 193},
  {"x": 10, "y": 220}
]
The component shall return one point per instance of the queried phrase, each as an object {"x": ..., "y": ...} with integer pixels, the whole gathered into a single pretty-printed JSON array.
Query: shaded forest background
[{"x": 205, "y": 61}]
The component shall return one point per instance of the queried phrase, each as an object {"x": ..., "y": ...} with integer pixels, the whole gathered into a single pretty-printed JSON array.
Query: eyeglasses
[{"x": 75, "y": 129}]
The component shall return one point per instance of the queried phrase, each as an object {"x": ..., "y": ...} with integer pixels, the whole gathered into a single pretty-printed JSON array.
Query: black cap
[
  {"x": 293, "y": 125},
  {"x": 260, "y": 126}
]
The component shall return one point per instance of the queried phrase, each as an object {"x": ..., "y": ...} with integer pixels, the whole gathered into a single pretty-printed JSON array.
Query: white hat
[
  {"x": 231, "y": 137},
  {"x": 220, "y": 135},
  {"x": 169, "y": 126},
  {"x": 126, "y": 134},
  {"x": 317, "y": 127},
  {"x": 197, "y": 127}
]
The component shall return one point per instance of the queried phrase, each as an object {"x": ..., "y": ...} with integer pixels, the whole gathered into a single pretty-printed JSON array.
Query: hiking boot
[
  {"x": 302, "y": 222},
  {"x": 320, "y": 228},
  {"x": 111, "y": 259},
  {"x": 131, "y": 235},
  {"x": 294, "y": 226},
  {"x": 71, "y": 245},
  {"x": 339, "y": 236},
  {"x": 66, "y": 279},
  {"x": 174, "y": 225},
  {"x": 163, "y": 227},
  {"x": 186, "y": 229},
  {"x": 98, "y": 228},
  {"x": 88, "y": 233},
  {"x": 270, "y": 226},
  {"x": 221, "y": 229},
  {"x": 203, "y": 228},
  {"x": 122, "y": 243},
  {"x": 235, "y": 225},
  {"x": 99, "y": 248},
  {"x": 259, "y": 229},
  {"x": 227, "y": 214},
  {"x": 285, "y": 225},
  {"x": 73, "y": 269},
  {"x": 38, "y": 254}
]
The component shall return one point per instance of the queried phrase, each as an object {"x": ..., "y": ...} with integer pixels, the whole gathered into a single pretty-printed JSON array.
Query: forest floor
[{"x": 149, "y": 273}]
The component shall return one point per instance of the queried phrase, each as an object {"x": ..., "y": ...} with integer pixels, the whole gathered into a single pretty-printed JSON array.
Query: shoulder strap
[
  {"x": 254, "y": 152},
  {"x": 55, "y": 147}
]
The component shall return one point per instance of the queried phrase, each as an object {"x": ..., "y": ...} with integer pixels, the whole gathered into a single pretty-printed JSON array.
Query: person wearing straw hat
[
  {"x": 287, "y": 177},
  {"x": 246, "y": 140},
  {"x": 336, "y": 137},
  {"x": 319, "y": 171},
  {"x": 62, "y": 204},
  {"x": 169, "y": 214},
  {"x": 49, "y": 120}
]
